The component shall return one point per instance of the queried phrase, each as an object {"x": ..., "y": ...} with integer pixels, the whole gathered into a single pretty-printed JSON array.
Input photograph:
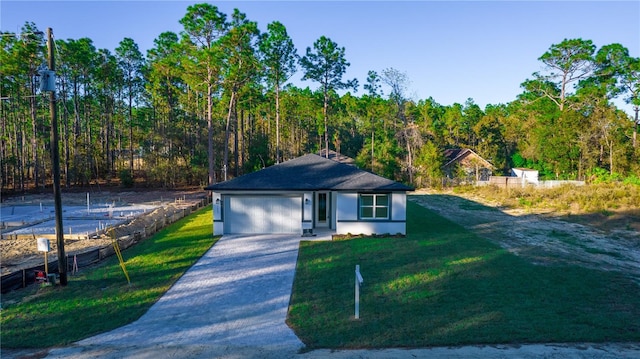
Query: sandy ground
[
  {"x": 541, "y": 237},
  {"x": 17, "y": 254}
]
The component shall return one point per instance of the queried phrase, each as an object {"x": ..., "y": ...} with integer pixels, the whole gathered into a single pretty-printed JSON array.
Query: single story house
[
  {"x": 307, "y": 193},
  {"x": 466, "y": 163}
]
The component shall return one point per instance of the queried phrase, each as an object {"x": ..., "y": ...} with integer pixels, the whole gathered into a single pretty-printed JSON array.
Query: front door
[{"x": 322, "y": 209}]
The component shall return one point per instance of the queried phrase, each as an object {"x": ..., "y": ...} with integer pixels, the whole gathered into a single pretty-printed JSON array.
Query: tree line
[{"x": 213, "y": 102}]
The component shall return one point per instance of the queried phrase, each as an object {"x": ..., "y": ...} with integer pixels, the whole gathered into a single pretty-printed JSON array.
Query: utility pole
[{"x": 55, "y": 159}]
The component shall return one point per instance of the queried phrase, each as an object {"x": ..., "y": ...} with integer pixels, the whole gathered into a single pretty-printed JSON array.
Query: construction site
[{"x": 92, "y": 221}]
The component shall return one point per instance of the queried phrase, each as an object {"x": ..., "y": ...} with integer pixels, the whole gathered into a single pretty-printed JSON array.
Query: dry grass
[
  {"x": 605, "y": 205},
  {"x": 568, "y": 198}
]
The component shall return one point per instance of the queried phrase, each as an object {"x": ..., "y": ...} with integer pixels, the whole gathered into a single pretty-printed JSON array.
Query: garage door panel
[{"x": 264, "y": 214}]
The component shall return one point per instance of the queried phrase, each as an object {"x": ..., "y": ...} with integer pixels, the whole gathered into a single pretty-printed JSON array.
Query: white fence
[
  {"x": 551, "y": 184},
  {"x": 517, "y": 182}
]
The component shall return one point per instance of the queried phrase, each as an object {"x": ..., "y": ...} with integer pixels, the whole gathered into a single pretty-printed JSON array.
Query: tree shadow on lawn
[
  {"x": 609, "y": 221},
  {"x": 445, "y": 285},
  {"x": 542, "y": 238}
]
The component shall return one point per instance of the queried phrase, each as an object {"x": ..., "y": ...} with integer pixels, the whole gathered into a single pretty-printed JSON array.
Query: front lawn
[{"x": 443, "y": 285}]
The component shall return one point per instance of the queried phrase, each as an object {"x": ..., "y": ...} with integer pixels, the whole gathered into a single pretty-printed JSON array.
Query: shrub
[
  {"x": 633, "y": 179},
  {"x": 126, "y": 178}
]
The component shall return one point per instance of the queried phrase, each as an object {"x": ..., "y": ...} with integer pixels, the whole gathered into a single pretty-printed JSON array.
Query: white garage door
[{"x": 263, "y": 214}]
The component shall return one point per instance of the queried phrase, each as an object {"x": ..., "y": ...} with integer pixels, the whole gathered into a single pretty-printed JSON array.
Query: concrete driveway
[{"x": 234, "y": 300}]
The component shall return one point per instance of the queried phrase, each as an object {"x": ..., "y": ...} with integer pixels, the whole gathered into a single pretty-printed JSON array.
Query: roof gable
[
  {"x": 310, "y": 173},
  {"x": 458, "y": 155}
]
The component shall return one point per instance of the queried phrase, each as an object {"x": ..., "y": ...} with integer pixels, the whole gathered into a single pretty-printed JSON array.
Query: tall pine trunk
[
  {"x": 277, "y": 123},
  {"x": 130, "y": 133},
  {"x": 34, "y": 138},
  {"x": 225, "y": 160},
  {"x": 212, "y": 176}
]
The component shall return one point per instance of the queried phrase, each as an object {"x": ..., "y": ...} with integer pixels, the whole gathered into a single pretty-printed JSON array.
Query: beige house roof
[{"x": 464, "y": 156}]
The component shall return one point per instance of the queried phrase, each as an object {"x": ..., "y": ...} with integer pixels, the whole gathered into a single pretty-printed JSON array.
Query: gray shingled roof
[
  {"x": 338, "y": 157},
  {"x": 310, "y": 173}
]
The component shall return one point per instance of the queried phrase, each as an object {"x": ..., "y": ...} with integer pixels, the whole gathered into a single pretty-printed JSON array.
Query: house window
[{"x": 374, "y": 206}]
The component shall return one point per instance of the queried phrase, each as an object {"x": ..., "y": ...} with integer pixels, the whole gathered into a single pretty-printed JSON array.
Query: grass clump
[
  {"x": 442, "y": 285},
  {"x": 99, "y": 298}
]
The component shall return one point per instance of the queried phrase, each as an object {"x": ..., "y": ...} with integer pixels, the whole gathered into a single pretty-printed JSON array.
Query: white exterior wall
[
  {"x": 398, "y": 207},
  {"x": 307, "y": 210},
  {"x": 348, "y": 222},
  {"x": 218, "y": 225},
  {"x": 368, "y": 228},
  {"x": 333, "y": 213},
  {"x": 346, "y": 206},
  {"x": 344, "y": 214}
]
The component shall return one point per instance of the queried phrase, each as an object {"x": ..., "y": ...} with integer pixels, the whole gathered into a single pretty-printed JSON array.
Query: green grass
[
  {"x": 442, "y": 285},
  {"x": 99, "y": 299}
]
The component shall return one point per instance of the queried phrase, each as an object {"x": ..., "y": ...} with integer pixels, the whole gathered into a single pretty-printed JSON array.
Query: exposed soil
[
  {"x": 17, "y": 254},
  {"x": 544, "y": 237}
]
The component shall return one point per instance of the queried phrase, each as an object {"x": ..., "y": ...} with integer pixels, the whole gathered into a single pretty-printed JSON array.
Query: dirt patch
[
  {"x": 608, "y": 221},
  {"x": 543, "y": 236},
  {"x": 22, "y": 253}
]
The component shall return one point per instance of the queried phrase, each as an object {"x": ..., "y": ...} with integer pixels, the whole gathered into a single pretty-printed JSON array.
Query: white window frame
[{"x": 374, "y": 206}]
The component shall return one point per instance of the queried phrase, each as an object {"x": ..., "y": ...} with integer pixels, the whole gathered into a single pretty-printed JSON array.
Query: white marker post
[
  {"x": 44, "y": 246},
  {"x": 359, "y": 282}
]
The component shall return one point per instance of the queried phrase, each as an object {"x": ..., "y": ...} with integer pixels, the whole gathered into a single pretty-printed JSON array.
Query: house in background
[
  {"x": 466, "y": 164},
  {"x": 308, "y": 193}
]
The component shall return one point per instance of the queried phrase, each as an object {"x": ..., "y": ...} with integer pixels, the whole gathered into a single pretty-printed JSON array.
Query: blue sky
[{"x": 450, "y": 50}]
